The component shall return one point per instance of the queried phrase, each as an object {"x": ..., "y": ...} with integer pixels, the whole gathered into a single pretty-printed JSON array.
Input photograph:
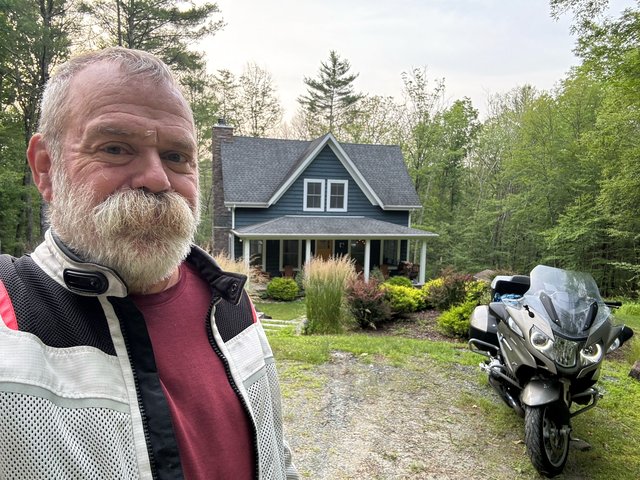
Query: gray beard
[{"x": 142, "y": 236}]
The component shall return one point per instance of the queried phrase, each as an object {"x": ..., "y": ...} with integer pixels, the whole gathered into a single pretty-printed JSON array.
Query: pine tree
[{"x": 331, "y": 95}]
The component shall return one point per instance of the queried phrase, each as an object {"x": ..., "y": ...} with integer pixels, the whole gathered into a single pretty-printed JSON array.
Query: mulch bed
[{"x": 420, "y": 325}]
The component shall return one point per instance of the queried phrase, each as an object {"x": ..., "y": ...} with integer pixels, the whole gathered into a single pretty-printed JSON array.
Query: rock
[
  {"x": 635, "y": 370},
  {"x": 580, "y": 445},
  {"x": 485, "y": 275}
]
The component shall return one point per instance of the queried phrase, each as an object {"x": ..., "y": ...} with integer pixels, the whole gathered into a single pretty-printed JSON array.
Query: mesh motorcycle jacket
[{"x": 80, "y": 397}]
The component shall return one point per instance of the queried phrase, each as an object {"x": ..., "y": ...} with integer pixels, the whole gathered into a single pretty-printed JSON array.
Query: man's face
[
  {"x": 125, "y": 192},
  {"x": 128, "y": 134}
]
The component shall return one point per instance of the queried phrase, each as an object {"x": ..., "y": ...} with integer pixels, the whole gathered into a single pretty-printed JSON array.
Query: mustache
[{"x": 135, "y": 208}]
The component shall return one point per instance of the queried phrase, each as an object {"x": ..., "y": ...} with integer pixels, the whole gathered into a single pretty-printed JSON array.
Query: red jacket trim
[{"x": 7, "y": 312}]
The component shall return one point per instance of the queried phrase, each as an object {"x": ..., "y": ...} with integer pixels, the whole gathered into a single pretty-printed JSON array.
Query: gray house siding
[{"x": 326, "y": 166}]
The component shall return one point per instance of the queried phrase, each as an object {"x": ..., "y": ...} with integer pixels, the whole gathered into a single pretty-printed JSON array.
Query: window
[
  {"x": 255, "y": 253},
  {"x": 390, "y": 252},
  {"x": 313, "y": 195},
  {"x": 357, "y": 252},
  {"x": 337, "y": 198},
  {"x": 290, "y": 253}
]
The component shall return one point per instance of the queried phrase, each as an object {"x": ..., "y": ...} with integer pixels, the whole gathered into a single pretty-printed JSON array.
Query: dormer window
[
  {"x": 313, "y": 195},
  {"x": 337, "y": 197}
]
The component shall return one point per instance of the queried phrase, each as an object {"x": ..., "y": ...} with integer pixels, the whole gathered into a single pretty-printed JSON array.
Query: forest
[{"x": 547, "y": 177}]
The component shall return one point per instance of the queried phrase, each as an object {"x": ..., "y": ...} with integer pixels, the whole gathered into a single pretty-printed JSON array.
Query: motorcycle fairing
[{"x": 541, "y": 392}]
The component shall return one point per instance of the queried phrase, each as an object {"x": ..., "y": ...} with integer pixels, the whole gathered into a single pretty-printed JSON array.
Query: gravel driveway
[{"x": 353, "y": 419}]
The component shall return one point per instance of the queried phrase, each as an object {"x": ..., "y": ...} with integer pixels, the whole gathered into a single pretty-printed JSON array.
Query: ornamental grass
[
  {"x": 325, "y": 284},
  {"x": 229, "y": 264}
]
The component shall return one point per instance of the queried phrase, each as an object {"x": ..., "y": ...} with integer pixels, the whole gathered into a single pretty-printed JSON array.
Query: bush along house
[{"x": 278, "y": 202}]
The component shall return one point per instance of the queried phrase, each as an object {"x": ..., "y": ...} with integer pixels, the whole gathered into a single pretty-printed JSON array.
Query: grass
[
  {"x": 629, "y": 314},
  {"x": 325, "y": 282},
  {"x": 283, "y": 310},
  {"x": 612, "y": 427},
  {"x": 398, "y": 351}
]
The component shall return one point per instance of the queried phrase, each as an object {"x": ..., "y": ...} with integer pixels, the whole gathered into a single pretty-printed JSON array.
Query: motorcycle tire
[{"x": 547, "y": 435}]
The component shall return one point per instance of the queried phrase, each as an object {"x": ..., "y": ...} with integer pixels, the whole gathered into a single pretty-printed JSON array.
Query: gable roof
[{"x": 258, "y": 171}]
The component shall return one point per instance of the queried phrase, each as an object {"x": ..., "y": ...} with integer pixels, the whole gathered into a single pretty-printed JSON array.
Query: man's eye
[
  {"x": 176, "y": 157},
  {"x": 114, "y": 150}
]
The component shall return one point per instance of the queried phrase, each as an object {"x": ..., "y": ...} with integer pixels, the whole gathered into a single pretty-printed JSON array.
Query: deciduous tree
[{"x": 260, "y": 108}]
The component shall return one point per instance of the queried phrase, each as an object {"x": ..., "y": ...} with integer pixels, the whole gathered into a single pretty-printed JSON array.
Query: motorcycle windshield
[{"x": 569, "y": 300}]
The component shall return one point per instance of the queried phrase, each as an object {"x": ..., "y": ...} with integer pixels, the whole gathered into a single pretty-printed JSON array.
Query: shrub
[
  {"x": 377, "y": 274},
  {"x": 629, "y": 309},
  {"x": 455, "y": 321},
  {"x": 448, "y": 290},
  {"x": 283, "y": 289},
  {"x": 325, "y": 284},
  {"x": 478, "y": 291},
  {"x": 399, "y": 281},
  {"x": 403, "y": 299},
  {"x": 299, "y": 278},
  {"x": 367, "y": 303}
]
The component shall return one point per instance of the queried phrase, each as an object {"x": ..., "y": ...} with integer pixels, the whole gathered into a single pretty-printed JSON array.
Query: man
[{"x": 125, "y": 352}]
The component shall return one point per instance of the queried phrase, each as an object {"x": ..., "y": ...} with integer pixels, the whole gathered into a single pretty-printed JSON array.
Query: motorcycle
[{"x": 545, "y": 336}]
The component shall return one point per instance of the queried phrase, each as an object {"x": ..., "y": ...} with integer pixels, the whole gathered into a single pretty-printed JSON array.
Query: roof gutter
[
  {"x": 330, "y": 236},
  {"x": 246, "y": 205}
]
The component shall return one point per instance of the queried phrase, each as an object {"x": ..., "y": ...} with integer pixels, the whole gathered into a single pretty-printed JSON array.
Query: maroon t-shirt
[{"x": 212, "y": 429}]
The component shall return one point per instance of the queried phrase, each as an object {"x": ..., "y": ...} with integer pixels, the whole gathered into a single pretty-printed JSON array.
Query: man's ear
[{"x": 40, "y": 163}]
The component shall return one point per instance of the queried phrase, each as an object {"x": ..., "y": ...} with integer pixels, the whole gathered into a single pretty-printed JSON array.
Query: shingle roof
[
  {"x": 255, "y": 168},
  {"x": 305, "y": 226}
]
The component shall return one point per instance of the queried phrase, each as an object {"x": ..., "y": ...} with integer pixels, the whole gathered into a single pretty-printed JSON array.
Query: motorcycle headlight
[
  {"x": 540, "y": 341},
  {"x": 591, "y": 354},
  {"x": 565, "y": 352}
]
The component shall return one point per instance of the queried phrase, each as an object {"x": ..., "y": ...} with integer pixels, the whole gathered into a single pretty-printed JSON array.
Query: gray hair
[{"x": 54, "y": 108}]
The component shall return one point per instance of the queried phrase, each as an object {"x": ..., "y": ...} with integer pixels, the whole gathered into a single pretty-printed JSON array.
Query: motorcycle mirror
[
  {"x": 591, "y": 316},
  {"x": 548, "y": 306}
]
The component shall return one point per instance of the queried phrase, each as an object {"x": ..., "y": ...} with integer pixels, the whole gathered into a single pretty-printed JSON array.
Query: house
[{"x": 279, "y": 202}]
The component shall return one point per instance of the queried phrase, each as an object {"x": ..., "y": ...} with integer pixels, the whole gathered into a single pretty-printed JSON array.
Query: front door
[{"x": 324, "y": 249}]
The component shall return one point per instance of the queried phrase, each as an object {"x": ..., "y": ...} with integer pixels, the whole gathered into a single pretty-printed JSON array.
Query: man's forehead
[{"x": 176, "y": 136}]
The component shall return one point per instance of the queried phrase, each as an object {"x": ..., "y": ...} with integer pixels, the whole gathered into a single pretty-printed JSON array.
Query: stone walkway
[{"x": 274, "y": 325}]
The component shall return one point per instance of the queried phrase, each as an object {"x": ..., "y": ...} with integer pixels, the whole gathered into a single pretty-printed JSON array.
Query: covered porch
[{"x": 284, "y": 244}]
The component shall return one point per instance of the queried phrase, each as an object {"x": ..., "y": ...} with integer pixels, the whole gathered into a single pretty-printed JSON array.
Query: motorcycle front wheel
[{"x": 547, "y": 436}]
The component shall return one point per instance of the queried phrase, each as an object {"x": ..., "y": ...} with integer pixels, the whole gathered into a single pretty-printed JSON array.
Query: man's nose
[{"x": 151, "y": 173}]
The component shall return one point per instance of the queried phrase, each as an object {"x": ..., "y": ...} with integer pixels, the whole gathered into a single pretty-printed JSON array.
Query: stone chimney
[{"x": 222, "y": 133}]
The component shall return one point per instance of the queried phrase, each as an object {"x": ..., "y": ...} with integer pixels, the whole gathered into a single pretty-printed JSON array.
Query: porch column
[
  {"x": 423, "y": 262},
  {"x": 246, "y": 253},
  {"x": 367, "y": 259},
  {"x": 307, "y": 253}
]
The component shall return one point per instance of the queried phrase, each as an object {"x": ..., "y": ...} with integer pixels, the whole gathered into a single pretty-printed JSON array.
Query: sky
[{"x": 479, "y": 47}]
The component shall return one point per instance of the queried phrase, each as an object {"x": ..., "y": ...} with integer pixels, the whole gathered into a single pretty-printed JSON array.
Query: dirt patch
[
  {"x": 362, "y": 418},
  {"x": 421, "y": 325},
  {"x": 373, "y": 421}
]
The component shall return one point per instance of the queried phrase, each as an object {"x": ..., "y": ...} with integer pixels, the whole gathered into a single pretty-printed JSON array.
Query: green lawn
[{"x": 283, "y": 310}]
